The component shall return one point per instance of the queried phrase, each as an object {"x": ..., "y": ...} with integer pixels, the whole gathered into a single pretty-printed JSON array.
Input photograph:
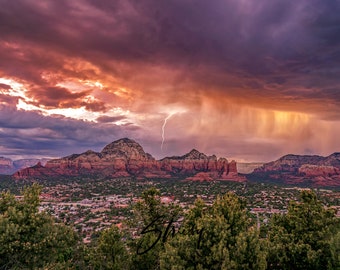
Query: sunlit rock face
[
  {"x": 125, "y": 157},
  {"x": 200, "y": 167},
  {"x": 302, "y": 169}
]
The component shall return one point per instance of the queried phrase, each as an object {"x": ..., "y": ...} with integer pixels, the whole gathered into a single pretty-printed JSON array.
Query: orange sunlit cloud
[{"x": 233, "y": 79}]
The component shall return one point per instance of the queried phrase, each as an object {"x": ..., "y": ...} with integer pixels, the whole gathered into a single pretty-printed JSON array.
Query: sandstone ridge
[
  {"x": 125, "y": 157},
  {"x": 302, "y": 169}
]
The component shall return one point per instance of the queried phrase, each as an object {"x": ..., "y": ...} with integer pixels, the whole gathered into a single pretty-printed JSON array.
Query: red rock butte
[{"x": 126, "y": 158}]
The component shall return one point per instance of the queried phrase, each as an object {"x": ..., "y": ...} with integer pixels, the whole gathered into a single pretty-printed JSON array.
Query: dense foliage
[
  {"x": 221, "y": 235},
  {"x": 30, "y": 239},
  {"x": 303, "y": 238}
]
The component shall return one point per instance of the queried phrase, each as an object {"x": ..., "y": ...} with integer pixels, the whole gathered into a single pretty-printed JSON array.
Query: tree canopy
[
  {"x": 220, "y": 235},
  {"x": 30, "y": 239},
  {"x": 302, "y": 238}
]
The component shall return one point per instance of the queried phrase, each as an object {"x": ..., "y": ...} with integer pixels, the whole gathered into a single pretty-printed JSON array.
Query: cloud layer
[{"x": 244, "y": 79}]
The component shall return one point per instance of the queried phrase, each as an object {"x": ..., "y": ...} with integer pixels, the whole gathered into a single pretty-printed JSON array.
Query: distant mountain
[
  {"x": 301, "y": 170},
  {"x": 125, "y": 157},
  {"x": 248, "y": 167},
  {"x": 8, "y": 166}
]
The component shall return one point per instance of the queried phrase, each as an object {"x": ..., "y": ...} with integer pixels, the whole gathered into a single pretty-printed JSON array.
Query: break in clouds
[{"x": 250, "y": 80}]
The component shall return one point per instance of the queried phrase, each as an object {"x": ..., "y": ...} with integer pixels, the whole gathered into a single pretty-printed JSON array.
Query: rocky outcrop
[
  {"x": 301, "y": 170},
  {"x": 317, "y": 170},
  {"x": 289, "y": 163},
  {"x": 200, "y": 167},
  {"x": 35, "y": 171},
  {"x": 126, "y": 157}
]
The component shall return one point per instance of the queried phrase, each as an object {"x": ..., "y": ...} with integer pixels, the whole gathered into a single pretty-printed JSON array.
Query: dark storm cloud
[
  {"x": 33, "y": 133},
  {"x": 60, "y": 97},
  {"x": 110, "y": 119},
  {"x": 278, "y": 55},
  {"x": 56, "y": 97},
  {"x": 25, "y": 61},
  {"x": 279, "y": 42},
  {"x": 5, "y": 86},
  {"x": 8, "y": 100}
]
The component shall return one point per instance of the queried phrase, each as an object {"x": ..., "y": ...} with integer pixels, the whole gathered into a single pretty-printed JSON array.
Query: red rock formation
[
  {"x": 35, "y": 171},
  {"x": 309, "y": 170},
  {"x": 294, "y": 169},
  {"x": 233, "y": 167},
  {"x": 126, "y": 157}
]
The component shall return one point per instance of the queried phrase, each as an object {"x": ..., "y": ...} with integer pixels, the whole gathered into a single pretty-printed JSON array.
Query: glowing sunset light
[
  {"x": 244, "y": 79},
  {"x": 15, "y": 88}
]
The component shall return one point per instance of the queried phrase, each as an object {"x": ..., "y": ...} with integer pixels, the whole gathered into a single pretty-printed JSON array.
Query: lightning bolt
[{"x": 163, "y": 128}]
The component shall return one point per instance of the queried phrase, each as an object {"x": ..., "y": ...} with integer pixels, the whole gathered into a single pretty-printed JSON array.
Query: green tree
[
  {"x": 109, "y": 251},
  {"x": 220, "y": 236},
  {"x": 301, "y": 239},
  {"x": 154, "y": 222},
  {"x": 335, "y": 248},
  {"x": 30, "y": 239}
]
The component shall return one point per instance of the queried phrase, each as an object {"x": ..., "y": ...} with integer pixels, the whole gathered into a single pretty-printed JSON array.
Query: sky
[{"x": 249, "y": 80}]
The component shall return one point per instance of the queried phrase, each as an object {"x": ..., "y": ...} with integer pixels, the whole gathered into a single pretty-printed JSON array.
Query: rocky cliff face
[
  {"x": 304, "y": 169},
  {"x": 200, "y": 167},
  {"x": 126, "y": 157}
]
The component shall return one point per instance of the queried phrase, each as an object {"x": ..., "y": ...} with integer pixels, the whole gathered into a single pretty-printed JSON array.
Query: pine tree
[
  {"x": 30, "y": 239},
  {"x": 154, "y": 221},
  {"x": 220, "y": 236},
  {"x": 301, "y": 239},
  {"x": 109, "y": 252}
]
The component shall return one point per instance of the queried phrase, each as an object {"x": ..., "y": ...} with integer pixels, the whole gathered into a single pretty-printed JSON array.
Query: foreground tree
[
  {"x": 335, "y": 248},
  {"x": 304, "y": 238},
  {"x": 216, "y": 237},
  {"x": 30, "y": 239},
  {"x": 154, "y": 221},
  {"x": 109, "y": 251}
]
